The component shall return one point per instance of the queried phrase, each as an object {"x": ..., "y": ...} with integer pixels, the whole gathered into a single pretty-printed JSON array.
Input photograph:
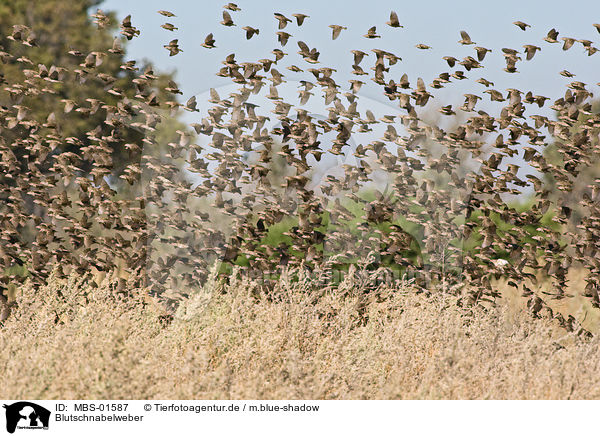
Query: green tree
[{"x": 64, "y": 34}]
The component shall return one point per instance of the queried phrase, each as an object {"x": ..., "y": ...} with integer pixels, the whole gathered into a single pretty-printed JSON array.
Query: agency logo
[{"x": 26, "y": 415}]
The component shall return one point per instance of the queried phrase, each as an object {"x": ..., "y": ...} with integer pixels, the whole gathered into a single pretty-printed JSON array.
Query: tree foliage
[{"x": 63, "y": 34}]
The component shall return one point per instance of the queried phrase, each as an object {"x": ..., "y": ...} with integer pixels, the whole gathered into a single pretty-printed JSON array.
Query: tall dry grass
[{"x": 71, "y": 340}]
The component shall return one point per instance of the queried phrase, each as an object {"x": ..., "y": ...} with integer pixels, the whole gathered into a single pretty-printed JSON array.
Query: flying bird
[
  {"x": 300, "y": 18},
  {"x": 552, "y": 36},
  {"x": 173, "y": 48},
  {"x": 283, "y": 20},
  {"x": 466, "y": 39},
  {"x": 209, "y": 41},
  {"x": 372, "y": 33},
  {"x": 393, "y": 20},
  {"x": 336, "y": 30},
  {"x": 521, "y": 25},
  {"x": 481, "y": 52},
  {"x": 568, "y": 43},
  {"x": 169, "y": 26},
  {"x": 227, "y": 21},
  {"x": 191, "y": 104},
  {"x": 250, "y": 31},
  {"x": 283, "y": 37},
  {"x": 530, "y": 50},
  {"x": 358, "y": 56},
  {"x": 450, "y": 60}
]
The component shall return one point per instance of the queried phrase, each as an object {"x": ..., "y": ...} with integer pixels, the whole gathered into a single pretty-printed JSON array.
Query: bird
[
  {"x": 450, "y": 60},
  {"x": 336, "y": 30},
  {"x": 166, "y": 13},
  {"x": 393, "y": 22},
  {"x": 227, "y": 21},
  {"x": 232, "y": 7},
  {"x": 209, "y": 41},
  {"x": 168, "y": 26},
  {"x": 447, "y": 110},
  {"x": 358, "y": 56},
  {"x": 282, "y": 19},
  {"x": 466, "y": 39},
  {"x": 300, "y": 18},
  {"x": 481, "y": 52},
  {"x": 283, "y": 37},
  {"x": 250, "y": 31},
  {"x": 5, "y": 307},
  {"x": 128, "y": 29},
  {"x": 278, "y": 54},
  {"x": 568, "y": 43},
  {"x": 372, "y": 33},
  {"x": 173, "y": 47},
  {"x": 552, "y": 36},
  {"x": 485, "y": 82},
  {"x": 309, "y": 55},
  {"x": 521, "y": 25},
  {"x": 530, "y": 50},
  {"x": 101, "y": 19}
]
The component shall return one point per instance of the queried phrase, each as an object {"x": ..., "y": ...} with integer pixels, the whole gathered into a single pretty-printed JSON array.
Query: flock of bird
[{"x": 169, "y": 234}]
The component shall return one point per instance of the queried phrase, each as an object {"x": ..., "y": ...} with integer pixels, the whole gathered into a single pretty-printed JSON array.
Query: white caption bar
[{"x": 160, "y": 417}]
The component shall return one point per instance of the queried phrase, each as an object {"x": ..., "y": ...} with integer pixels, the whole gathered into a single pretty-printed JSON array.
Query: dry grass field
[{"x": 70, "y": 340}]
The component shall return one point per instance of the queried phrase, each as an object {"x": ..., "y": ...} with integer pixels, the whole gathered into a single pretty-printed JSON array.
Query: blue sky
[{"x": 435, "y": 23}]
